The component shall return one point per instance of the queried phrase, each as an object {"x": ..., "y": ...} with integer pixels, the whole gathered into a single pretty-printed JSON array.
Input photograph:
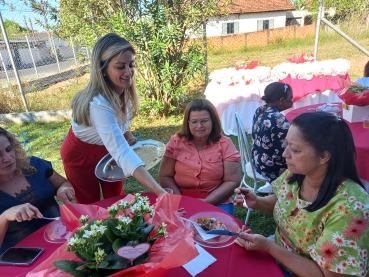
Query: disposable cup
[{"x": 366, "y": 122}]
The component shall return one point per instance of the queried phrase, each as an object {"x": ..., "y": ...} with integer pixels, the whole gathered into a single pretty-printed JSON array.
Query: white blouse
[{"x": 107, "y": 129}]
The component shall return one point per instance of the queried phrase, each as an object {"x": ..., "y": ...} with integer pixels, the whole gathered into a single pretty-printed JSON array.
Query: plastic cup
[
  {"x": 366, "y": 122},
  {"x": 168, "y": 190}
]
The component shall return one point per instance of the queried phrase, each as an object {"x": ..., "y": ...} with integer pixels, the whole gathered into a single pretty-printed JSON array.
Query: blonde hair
[
  {"x": 22, "y": 160},
  {"x": 104, "y": 50}
]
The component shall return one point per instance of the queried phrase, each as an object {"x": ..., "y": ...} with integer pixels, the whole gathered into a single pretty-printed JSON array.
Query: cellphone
[{"x": 21, "y": 256}]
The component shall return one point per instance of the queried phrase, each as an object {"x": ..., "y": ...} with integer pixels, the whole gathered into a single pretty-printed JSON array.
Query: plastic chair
[{"x": 246, "y": 164}]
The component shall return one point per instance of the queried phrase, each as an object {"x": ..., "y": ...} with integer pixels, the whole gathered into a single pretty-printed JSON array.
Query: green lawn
[{"x": 44, "y": 140}]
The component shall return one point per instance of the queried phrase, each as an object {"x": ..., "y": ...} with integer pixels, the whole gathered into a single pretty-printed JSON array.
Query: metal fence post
[
  {"x": 13, "y": 63},
  {"x": 205, "y": 55},
  {"x": 317, "y": 29},
  {"x": 33, "y": 60},
  {"x": 4, "y": 66},
  {"x": 74, "y": 52},
  {"x": 56, "y": 54}
]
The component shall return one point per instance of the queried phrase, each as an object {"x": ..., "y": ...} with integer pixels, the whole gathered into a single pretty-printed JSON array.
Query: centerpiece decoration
[
  {"x": 245, "y": 64},
  {"x": 355, "y": 99},
  {"x": 303, "y": 58},
  {"x": 129, "y": 238}
]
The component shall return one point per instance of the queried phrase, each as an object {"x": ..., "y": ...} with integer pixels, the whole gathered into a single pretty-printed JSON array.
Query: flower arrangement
[
  {"x": 353, "y": 93},
  {"x": 98, "y": 243},
  {"x": 245, "y": 64},
  {"x": 303, "y": 58}
]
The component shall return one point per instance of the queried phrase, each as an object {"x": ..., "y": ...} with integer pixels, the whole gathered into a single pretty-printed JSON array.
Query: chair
[{"x": 246, "y": 164}]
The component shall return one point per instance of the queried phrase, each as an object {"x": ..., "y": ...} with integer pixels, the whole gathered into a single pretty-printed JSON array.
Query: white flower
[
  {"x": 88, "y": 234},
  {"x": 124, "y": 219}
]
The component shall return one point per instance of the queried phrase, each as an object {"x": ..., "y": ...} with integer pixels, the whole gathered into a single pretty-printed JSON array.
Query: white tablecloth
[{"x": 245, "y": 99}]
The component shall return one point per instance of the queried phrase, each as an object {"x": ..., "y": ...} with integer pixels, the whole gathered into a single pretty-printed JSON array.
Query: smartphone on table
[{"x": 20, "y": 256}]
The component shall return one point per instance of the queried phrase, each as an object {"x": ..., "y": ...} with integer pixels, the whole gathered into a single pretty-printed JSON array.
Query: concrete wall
[
  {"x": 247, "y": 22},
  {"x": 261, "y": 38}
]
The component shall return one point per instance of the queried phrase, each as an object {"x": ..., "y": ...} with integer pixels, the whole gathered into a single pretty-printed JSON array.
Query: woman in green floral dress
[{"x": 320, "y": 205}]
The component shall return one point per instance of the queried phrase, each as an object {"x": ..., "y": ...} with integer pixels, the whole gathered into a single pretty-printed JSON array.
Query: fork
[
  {"x": 193, "y": 222},
  {"x": 52, "y": 218}
]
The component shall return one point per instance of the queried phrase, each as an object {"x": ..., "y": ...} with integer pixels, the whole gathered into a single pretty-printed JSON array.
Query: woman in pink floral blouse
[{"x": 320, "y": 205}]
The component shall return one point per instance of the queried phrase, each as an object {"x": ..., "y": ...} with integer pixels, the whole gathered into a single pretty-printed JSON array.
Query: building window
[
  {"x": 265, "y": 24},
  {"x": 229, "y": 28}
]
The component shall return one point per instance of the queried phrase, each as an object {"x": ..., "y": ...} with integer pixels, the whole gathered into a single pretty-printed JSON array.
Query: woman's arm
[
  {"x": 144, "y": 177},
  {"x": 231, "y": 180},
  {"x": 64, "y": 189},
  {"x": 129, "y": 137},
  {"x": 166, "y": 174},
  {"x": 265, "y": 204},
  {"x": 303, "y": 267},
  {"x": 17, "y": 213}
]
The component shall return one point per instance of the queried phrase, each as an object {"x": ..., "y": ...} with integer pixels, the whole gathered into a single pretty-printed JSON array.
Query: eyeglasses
[{"x": 202, "y": 122}]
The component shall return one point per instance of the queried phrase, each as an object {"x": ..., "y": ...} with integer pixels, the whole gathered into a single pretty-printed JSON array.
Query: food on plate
[
  {"x": 209, "y": 223},
  {"x": 147, "y": 153}
]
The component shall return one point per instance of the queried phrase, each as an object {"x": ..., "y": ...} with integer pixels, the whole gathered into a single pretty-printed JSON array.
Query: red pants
[{"x": 79, "y": 160}]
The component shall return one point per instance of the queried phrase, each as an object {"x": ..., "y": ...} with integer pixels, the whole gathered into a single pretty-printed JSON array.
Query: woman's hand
[
  {"x": 66, "y": 193},
  {"x": 249, "y": 195},
  {"x": 130, "y": 138},
  {"x": 24, "y": 212},
  {"x": 253, "y": 241}
]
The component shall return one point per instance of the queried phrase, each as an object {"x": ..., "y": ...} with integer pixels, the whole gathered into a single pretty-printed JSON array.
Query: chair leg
[{"x": 248, "y": 216}]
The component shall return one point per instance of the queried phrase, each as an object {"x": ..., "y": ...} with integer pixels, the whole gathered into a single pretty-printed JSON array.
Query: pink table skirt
[
  {"x": 303, "y": 87},
  {"x": 231, "y": 261}
]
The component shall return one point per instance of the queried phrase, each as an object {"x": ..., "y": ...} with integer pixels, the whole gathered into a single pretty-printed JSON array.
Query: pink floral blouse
[{"x": 336, "y": 237}]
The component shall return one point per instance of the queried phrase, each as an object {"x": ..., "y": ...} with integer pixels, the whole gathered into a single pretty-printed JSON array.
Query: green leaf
[
  {"x": 118, "y": 243},
  {"x": 103, "y": 264},
  {"x": 70, "y": 267},
  {"x": 116, "y": 262}
]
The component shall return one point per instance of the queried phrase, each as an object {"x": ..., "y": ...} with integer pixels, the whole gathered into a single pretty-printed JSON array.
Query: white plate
[
  {"x": 150, "y": 152},
  {"x": 56, "y": 232}
]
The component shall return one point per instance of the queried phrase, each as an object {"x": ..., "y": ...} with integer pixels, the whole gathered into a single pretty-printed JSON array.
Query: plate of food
[
  {"x": 56, "y": 232},
  {"x": 210, "y": 220},
  {"x": 150, "y": 152}
]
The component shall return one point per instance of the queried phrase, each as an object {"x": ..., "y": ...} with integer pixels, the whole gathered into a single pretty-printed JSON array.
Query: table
[
  {"x": 361, "y": 140},
  {"x": 231, "y": 261}
]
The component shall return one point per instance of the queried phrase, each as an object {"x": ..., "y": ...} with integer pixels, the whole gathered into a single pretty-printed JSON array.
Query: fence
[{"x": 42, "y": 59}]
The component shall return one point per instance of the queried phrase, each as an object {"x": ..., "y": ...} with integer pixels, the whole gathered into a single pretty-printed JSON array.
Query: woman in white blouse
[{"x": 102, "y": 113}]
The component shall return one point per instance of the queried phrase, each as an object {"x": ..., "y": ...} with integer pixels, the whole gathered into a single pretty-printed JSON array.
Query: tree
[
  {"x": 14, "y": 30},
  {"x": 162, "y": 32},
  {"x": 345, "y": 9}
]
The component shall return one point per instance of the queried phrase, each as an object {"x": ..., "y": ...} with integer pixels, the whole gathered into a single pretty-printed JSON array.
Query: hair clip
[
  {"x": 285, "y": 87},
  {"x": 338, "y": 119}
]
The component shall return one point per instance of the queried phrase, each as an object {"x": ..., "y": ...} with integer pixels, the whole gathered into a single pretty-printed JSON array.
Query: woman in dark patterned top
[
  {"x": 27, "y": 189},
  {"x": 269, "y": 130}
]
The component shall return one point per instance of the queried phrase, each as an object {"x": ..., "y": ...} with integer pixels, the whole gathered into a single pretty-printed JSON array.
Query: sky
[{"x": 20, "y": 12}]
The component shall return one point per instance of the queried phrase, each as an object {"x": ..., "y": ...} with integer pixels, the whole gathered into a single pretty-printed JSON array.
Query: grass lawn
[{"x": 44, "y": 140}]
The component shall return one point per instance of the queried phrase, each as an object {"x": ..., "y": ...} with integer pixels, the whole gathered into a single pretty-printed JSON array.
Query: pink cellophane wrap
[
  {"x": 175, "y": 250},
  {"x": 350, "y": 98},
  {"x": 303, "y": 58}
]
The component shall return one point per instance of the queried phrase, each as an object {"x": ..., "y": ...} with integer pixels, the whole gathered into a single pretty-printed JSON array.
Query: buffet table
[
  {"x": 232, "y": 90},
  {"x": 231, "y": 261},
  {"x": 361, "y": 140}
]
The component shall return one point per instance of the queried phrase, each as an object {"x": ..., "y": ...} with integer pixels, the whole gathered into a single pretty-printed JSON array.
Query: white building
[{"x": 246, "y": 16}]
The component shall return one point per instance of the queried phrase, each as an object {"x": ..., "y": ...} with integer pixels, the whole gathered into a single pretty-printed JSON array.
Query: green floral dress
[{"x": 336, "y": 237}]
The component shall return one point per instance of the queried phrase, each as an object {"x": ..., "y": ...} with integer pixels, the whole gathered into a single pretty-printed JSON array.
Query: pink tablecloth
[
  {"x": 361, "y": 139},
  {"x": 303, "y": 87},
  {"x": 231, "y": 261}
]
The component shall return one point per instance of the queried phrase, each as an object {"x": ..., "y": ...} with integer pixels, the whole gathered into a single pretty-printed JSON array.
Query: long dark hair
[
  {"x": 366, "y": 70},
  {"x": 275, "y": 91},
  {"x": 201, "y": 104},
  {"x": 326, "y": 132}
]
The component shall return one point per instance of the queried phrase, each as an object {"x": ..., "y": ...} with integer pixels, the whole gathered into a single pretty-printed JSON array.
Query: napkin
[{"x": 199, "y": 263}]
